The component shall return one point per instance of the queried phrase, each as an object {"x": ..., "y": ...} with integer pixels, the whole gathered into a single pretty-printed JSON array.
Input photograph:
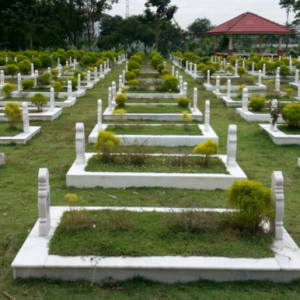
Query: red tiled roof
[{"x": 249, "y": 23}]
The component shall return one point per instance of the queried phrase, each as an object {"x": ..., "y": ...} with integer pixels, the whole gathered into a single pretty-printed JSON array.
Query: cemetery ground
[{"x": 54, "y": 148}]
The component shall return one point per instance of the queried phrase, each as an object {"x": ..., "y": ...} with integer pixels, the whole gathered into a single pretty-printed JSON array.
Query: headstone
[
  {"x": 231, "y": 146},
  {"x": 69, "y": 90},
  {"x": 177, "y": 74},
  {"x": 25, "y": 117},
  {"x": 259, "y": 77},
  {"x": 245, "y": 100},
  {"x": 101, "y": 71},
  {"x": 195, "y": 99},
  {"x": 120, "y": 83},
  {"x": 19, "y": 82},
  {"x": 1, "y": 77},
  {"x": 228, "y": 89},
  {"x": 181, "y": 84},
  {"x": 195, "y": 70},
  {"x": 173, "y": 71},
  {"x": 208, "y": 77},
  {"x": 32, "y": 69},
  {"x": 296, "y": 76},
  {"x": 59, "y": 70},
  {"x": 52, "y": 99},
  {"x": 44, "y": 202},
  {"x": 113, "y": 91},
  {"x": 99, "y": 115},
  {"x": 88, "y": 77},
  {"x": 80, "y": 144},
  {"x": 278, "y": 204},
  {"x": 110, "y": 99},
  {"x": 36, "y": 75},
  {"x": 207, "y": 115},
  {"x": 185, "y": 89},
  {"x": 253, "y": 64},
  {"x": 277, "y": 83},
  {"x": 218, "y": 84},
  {"x": 79, "y": 82},
  {"x": 264, "y": 70},
  {"x": 95, "y": 74}
]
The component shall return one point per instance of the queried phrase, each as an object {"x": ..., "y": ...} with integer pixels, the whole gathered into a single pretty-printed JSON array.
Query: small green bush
[
  {"x": 27, "y": 84},
  {"x": 39, "y": 101},
  {"x": 136, "y": 58},
  {"x": 74, "y": 82},
  {"x": 207, "y": 149},
  {"x": 106, "y": 143},
  {"x": 183, "y": 102},
  {"x": 288, "y": 91},
  {"x": 121, "y": 99},
  {"x": 8, "y": 88},
  {"x": 57, "y": 86},
  {"x": 43, "y": 79},
  {"x": 257, "y": 103},
  {"x": 156, "y": 60},
  {"x": 170, "y": 83},
  {"x": 130, "y": 76},
  {"x": 253, "y": 202},
  {"x": 160, "y": 67},
  {"x": 11, "y": 70},
  {"x": 241, "y": 71},
  {"x": 133, "y": 66},
  {"x": 14, "y": 114},
  {"x": 284, "y": 71},
  {"x": 291, "y": 114},
  {"x": 82, "y": 74},
  {"x": 24, "y": 66},
  {"x": 165, "y": 72},
  {"x": 46, "y": 60},
  {"x": 212, "y": 70},
  {"x": 36, "y": 62},
  {"x": 133, "y": 82},
  {"x": 54, "y": 73}
]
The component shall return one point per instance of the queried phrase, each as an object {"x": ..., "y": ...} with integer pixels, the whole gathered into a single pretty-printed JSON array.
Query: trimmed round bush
[
  {"x": 133, "y": 65},
  {"x": 136, "y": 58},
  {"x": 130, "y": 76},
  {"x": 133, "y": 82},
  {"x": 156, "y": 60},
  {"x": 74, "y": 82},
  {"x": 57, "y": 86},
  {"x": 165, "y": 72},
  {"x": 284, "y": 71},
  {"x": 82, "y": 74},
  {"x": 39, "y": 101},
  {"x": 160, "y": 67},
  {"x": 257, "y": 103},
  {"x": 36, "y": 62},
  {"x": 211, "y": 68},
  {"x": 24, "y": 66},
  {"x": 253, "y": 202},
  {"x": 43, "y": 79},
  {"x": 291, "y": 114},
  {"x": 207, "y": 149},
  {"x": 241, "y": 71},
  {"x": 27, "y": 84},
  {"x": 46, "y": 60},
  {"x": 11, "y": 70},
  {"x": 170, "y": 83},
  {"x": 8, "y": 88},
  {"x": 183, "y": 102},
  {"x": 121, "y": 99}
]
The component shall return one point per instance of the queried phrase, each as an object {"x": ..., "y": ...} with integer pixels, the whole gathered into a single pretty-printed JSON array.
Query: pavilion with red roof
[{"x": 249, "y": 24}]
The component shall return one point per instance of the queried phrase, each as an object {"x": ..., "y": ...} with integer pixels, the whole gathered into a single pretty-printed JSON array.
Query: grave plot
[
  {"x": 77, "y": 176},
  {"x": 34, "y": 260},
  {"x": 171, "y": 138},
  {"x": 19, "y": 137}
]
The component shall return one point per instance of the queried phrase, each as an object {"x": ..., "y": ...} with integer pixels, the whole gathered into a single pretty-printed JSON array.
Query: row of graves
[
  {"x": 43, "y": 96},
  {"x": 260, "y": 96},
  {"x": 118, "y": 124}
]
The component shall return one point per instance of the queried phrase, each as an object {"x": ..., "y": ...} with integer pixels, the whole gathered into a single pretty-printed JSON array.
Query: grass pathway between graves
[{"x": 54, "y": 148}]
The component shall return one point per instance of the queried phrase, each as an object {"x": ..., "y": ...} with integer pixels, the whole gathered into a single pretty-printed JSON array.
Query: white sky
[{"x": 217, "y": 11}]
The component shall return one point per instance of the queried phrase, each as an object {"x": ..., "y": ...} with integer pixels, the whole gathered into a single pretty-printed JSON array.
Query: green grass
[
  {"x": 153, "y": 109},
  {"x": 141, "y": 129},
  {"x": 289, "y": 130},
  {"x": 147, "y": 100},
  {"x": 54, "y": 148},
  {"x": 124, "y": 233},
  {"x": 156, "y": 164},
  {"x": 5, "y": 130}
]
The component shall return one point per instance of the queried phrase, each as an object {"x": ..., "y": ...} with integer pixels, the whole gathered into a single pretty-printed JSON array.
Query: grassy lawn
[
  {"x": 54, "y": 149},
  {"x": 5, "y": 130},
  {"x": 135, "y": 162},
  {"x": 289, "y": 130},
  {"x": 164, "y": 129},
  {"x": 147, "y": 100},
  {"x": 124, "y": 233},
  {"x": 153, "y": 109}
]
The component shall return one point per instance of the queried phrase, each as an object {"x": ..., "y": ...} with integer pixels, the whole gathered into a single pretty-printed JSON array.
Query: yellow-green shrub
[
  {"x": 121, "y": 99},
  {"x": 14, "y": 114},
  {"x": 253, "y": 202},
  {"x": 257, "y": 103},
  {"x": 106, "y": 143},
  {"x": 8, "y": 88},
  {"x": 207, "y": 149},
  {"x": 183, "y": 102},
  {"x": 291, "y": 114}
]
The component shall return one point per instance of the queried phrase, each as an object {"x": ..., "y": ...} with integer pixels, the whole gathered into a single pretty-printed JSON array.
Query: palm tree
[{"x": 288, "y": 5}]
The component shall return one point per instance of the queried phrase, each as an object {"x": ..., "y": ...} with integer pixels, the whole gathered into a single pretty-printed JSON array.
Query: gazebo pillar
[
  {"x": 216, "y": 44},
  {"x": 260, "y": 43},
  {"x": 230, "y": 50},
  {"x": 280, "y": 51}
]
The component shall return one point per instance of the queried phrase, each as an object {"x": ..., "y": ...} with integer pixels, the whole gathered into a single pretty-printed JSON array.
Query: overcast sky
[{"x": 217, "y": 11}]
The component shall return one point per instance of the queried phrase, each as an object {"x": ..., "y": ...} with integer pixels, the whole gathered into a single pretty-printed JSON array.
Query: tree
[
  {"x": 288, "y": 5},
  {"x": 199, "y": 27},
  {"x": 162, "y": 14}
]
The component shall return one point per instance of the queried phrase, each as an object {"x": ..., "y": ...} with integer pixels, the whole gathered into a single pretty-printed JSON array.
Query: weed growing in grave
[
  {"x": 120, "y": 116},
  {"x": 106, "y": 144},
  {"x": 253, "y": 202},
  {"x": 186, "y": 118},
  {"x": 13, "y": 113},
  {"x": 207, "y": 149}
]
